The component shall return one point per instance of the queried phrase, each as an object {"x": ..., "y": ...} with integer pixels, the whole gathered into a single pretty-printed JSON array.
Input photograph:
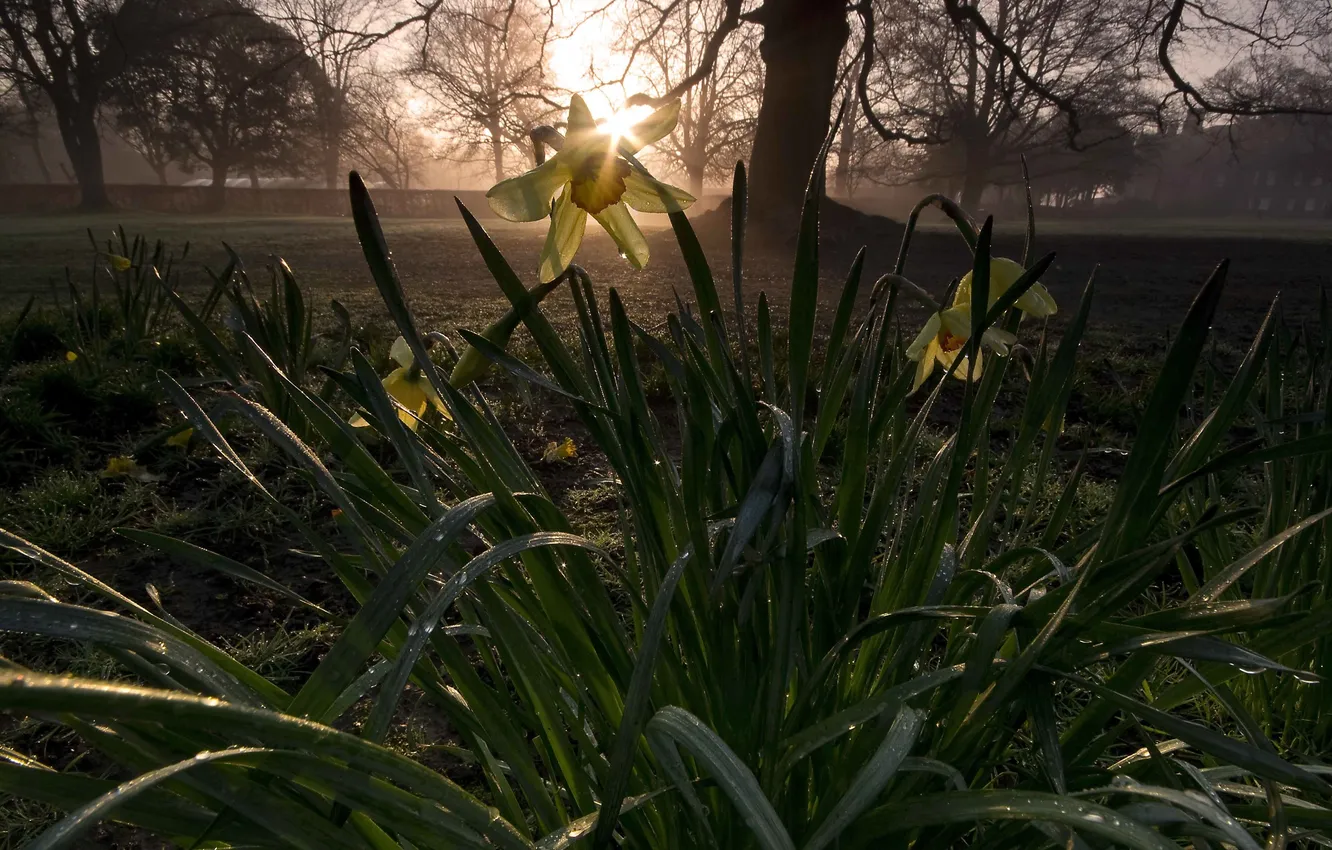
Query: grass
[{"x": 565, "y": 637}]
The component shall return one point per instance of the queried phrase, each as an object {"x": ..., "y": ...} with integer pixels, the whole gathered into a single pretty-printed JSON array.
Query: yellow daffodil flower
[
  {"x": 71, "y": 356},
  {"x": 1036, "y": 301},
  {"x": 556, "y": 452},
  {"x": 592, "y": 176},
  {"x": 128, "y": 467},
  {"x": 409, "y": 387},
  {"x": 942, "y": 339}
]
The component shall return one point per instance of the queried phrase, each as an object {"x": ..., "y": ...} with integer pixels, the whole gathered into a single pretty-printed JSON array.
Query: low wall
[{"x": 30, "y": 198}]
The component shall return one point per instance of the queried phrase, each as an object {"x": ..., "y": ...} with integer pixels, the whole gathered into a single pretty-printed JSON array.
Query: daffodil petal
[
  {"x": 998, "y": 340},
  {"x": 927, "y": 334},
  {"x": 433, "y": 397},
  {"x": 1037, "y": 302},
  {"x": 527, "y": 196},
  {"x": 646, "y": 194},
  {"x": 923, "y": 369},
  {"x": 563, "y": 238},
  {"x": 653, "y": 128},
  {"x": 624, "y": 230},
  {"x": 1003, "y": 274},
  {"x": 401, "y": 353},
  {"x": 580, "y": 117}
]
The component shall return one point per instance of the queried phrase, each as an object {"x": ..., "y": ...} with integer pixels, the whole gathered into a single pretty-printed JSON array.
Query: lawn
[{"x": 1049, "y": 481}]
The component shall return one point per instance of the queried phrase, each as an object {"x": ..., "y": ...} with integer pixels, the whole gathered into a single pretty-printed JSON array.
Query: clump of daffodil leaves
[
  {"x": 594, "y": 173},
  {"x": 409, "y": 387},
  {"x": 947, "y": 331}
]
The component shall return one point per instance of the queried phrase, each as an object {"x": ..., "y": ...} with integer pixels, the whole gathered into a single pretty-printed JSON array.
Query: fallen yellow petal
[
  {"x": 180, "y": 439},
  {"x": 556, "y": 452},
  {"x": 127, "y": 467}
]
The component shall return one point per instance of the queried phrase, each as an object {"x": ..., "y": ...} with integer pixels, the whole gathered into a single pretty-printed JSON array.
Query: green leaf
[{"x": 673, "y": 727}]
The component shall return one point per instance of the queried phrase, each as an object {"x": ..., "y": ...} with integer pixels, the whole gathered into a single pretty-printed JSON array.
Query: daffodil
[
  {"x": 1036, "y": 301},
  {"x": 942, "y": 340},
  {"x": 128, "y": 467},
  {"x": 593, "y": 173},
  {"x": 557, "y": 452},
  {"x": 408, "y": 386},
  {"x": 947, "y": 331}
]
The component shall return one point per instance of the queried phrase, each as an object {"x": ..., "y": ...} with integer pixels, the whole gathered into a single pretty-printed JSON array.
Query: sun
[{"x": 621, "y": 123}]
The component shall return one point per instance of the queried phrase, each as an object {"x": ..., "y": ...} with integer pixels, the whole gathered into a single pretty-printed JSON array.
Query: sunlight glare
[{"x": 620, "y": 123}]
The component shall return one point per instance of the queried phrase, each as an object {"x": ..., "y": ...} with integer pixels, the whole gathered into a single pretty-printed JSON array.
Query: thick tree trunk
[
  {"x": 802, "y": 42},
  {"x": 331, "y": 167},
  {"x": 976, "y": 176},
  {"x": 217, "y": 191},
  {"x": 39, "y": 156},
  {"x": 695, "y": 174},
  {"x": 83, "y": 144}
]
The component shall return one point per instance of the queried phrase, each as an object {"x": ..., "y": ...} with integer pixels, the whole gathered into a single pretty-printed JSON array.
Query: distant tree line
[{"x": 952, "y": 92}]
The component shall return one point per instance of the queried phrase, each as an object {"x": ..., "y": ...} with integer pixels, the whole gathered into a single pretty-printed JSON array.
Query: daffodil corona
[
  {"x": 408, "y": 386},
  {"x": 947, "y": 331},
  {"x": 593, "y": 174}
]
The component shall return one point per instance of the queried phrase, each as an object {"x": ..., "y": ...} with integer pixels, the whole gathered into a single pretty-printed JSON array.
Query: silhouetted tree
[
  {"x": 481, "y": 64},
  {"x": 226, "y": 89},
  {"x": 386, "y": 134},
  {"x": 337, "y": 37},
  {"x": 51, "y": 46},
  {"x": 719, "y": 112}
]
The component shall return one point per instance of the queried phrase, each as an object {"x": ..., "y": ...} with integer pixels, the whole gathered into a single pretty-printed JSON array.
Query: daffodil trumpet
[{"x": 594, "y": 173}]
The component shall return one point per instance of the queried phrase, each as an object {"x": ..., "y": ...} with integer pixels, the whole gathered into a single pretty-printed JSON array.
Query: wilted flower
[
  {"x": 408, "y": 386},
  {"x": 592, "y": 175},
  {"x": 556, "y": 452}
]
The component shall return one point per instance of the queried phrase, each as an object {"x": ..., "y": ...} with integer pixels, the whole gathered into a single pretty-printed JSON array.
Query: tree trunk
[
  {"x": 332, "y": 162},
  {"x": 802, "y": 42},
  {"x": 217, "y": 192},
  {"x": 83, "y": 145},
  {"x": 694, "y": 171},
  {"x": 497, "y": 153},
  {"x": 39, "y": 156},
  {"x": 976, "y": 175},
  {"x": 846, "y": 148}
]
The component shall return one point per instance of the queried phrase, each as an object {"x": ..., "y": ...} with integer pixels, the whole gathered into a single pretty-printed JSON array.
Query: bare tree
[
  {"x": 719, "y": 112},
  {"x": 337, "y": 36},
  {"x": 387, "y": 135},
  {"x": 482, "y": 66},
  {"x": 51, "y": 46},
  {"x": 21, "y": 112},
  {"x": 935, "y": 82}
]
